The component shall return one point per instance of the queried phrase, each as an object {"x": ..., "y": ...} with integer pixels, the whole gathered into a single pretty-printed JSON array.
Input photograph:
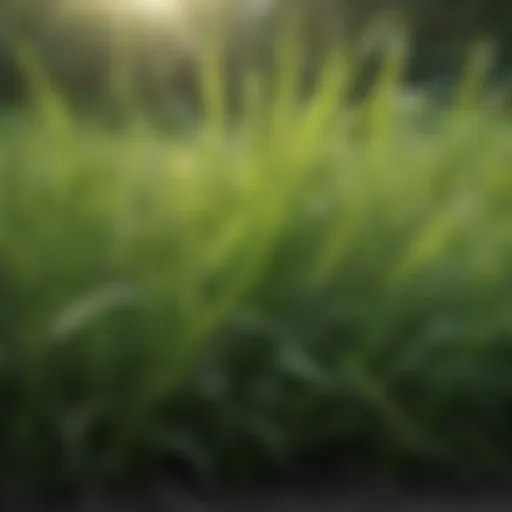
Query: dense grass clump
[{"x": 235, "y": 299}]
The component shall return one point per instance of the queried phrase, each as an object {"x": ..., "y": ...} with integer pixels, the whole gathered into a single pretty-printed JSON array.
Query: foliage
[{"x": 232, "y": 300}]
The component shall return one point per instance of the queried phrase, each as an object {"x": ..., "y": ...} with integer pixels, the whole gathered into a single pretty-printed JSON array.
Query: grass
[{"x": 234, "y": 300}]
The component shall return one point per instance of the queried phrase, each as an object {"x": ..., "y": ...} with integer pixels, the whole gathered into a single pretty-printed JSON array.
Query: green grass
[{"x": 236, "y": 299}]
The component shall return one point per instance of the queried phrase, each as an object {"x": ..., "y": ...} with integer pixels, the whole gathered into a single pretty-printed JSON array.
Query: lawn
[{"x": 319, "y": 278}]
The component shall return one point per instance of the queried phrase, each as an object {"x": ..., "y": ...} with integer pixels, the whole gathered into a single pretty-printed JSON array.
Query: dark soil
[{"x": 313, "y": 493}]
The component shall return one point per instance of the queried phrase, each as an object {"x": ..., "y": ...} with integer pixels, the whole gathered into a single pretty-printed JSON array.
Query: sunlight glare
[
  {"x": 156, "y": 8},
  {"x": 158, "y": 5}
]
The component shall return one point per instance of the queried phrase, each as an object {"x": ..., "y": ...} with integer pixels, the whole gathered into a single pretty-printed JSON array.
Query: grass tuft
[{"x": 321, "y": 275}]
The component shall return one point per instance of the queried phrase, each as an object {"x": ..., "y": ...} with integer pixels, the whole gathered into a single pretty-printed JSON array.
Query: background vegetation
[{"x": 81, "y": 42}]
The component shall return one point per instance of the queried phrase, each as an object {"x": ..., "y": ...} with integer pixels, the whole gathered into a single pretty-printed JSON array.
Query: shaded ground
[{"x": 331, "y": 494}]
